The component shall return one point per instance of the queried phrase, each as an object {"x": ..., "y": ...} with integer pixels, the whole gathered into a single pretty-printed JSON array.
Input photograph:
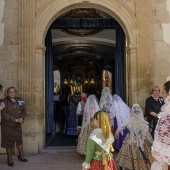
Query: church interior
[{"x": 82, "y": 56}]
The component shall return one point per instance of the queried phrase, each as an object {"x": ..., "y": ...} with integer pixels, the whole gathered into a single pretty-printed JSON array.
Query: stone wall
[
  {"x": 1, "y": 22},
  {"x": 161, "y": 41},
  {"x": 9, "y": 44},
  {"x": 22, "y": 50}
]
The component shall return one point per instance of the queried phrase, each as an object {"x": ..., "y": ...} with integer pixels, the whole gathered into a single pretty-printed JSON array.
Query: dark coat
[
  {"x": 153, "y": 105},
  {"x": 10, "y": 130}
]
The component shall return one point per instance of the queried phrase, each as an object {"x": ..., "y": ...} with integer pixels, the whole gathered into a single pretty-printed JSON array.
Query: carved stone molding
[
  {"x": 27, "y": 50},
  {"x": 40, "y": 48}
]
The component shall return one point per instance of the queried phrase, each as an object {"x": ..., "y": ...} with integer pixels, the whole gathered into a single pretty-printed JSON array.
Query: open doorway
[{"x": 86, "y": 46}]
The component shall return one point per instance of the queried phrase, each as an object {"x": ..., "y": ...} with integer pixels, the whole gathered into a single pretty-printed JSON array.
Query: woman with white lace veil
[
  {"x": 91, "y": 107},
  {"x": 119, "y": 113},
  {"x": 105, "y": 100},
  {"x": 161, "y": 143},
  {"x": 135, "y": 150}
]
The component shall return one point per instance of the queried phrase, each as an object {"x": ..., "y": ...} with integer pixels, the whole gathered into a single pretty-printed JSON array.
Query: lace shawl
[
  {"x": 161, "y": 144},
  {"x": 91, "y": 107},
  {"x": 98, "y": 137},
  {"x": 139, "y": 129},
  {"x": 120, "y": 110},
  {"x": 105, "y": 100}
]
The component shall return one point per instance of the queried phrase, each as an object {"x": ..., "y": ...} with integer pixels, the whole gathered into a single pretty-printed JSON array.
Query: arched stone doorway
[
  {"x": 74, "y": 58},
  {"x": 33, "y": 50},
  {"x": 124, "y": 16}
]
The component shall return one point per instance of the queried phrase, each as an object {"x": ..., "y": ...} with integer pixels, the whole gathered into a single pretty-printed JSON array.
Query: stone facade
[{"x": 25, "y": 23}]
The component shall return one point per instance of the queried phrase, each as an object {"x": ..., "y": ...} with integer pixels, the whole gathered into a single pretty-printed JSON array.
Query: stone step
[{"x": 54, "y": 149}]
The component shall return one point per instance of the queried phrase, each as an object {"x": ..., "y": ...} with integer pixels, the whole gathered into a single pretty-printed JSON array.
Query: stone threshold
[{"x": 55, "y": 149}]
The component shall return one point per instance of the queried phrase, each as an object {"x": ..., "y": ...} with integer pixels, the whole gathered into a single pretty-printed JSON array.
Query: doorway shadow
[{"x": 61, "y": 139}]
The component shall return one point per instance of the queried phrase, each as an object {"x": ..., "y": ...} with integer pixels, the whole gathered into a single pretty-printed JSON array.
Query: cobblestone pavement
[{"x": 47, "y": 160}]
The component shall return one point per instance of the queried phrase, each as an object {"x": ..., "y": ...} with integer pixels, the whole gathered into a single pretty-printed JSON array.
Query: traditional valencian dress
[
  {"x": 105, "y": 100},
  {"x": 161, "y": 144},
  {"x": 119, "y": 113},
  {"x": 98, "y": 156},
  {"x": 135, "y": 150},
  {"x": 71, "y": 121},
  {"x": 91, "y": 107}
]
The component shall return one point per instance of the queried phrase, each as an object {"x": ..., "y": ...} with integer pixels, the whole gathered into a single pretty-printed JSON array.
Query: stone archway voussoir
[{"x": 47, "y": 16}]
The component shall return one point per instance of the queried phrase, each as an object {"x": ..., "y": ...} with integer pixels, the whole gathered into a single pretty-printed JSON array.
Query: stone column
[
  {"x": 144, "y": 49},
  {"x": 132, "y": 74},
  {"x": 26, "y": 63},
  {"x": 30, "y": 78}
]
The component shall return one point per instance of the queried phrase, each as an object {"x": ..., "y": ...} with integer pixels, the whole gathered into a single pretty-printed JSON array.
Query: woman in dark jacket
[
  {"x": 12, "y": 115},
  {"x": 153, "y": 104}
]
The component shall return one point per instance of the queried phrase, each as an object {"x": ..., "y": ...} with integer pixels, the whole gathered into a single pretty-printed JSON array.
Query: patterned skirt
[
  {"x": 83, "y": 139},
  {"x": 130, "y": 157},
  {"x": 70, "y": 127},
  {"x": 97, "y": 165}
]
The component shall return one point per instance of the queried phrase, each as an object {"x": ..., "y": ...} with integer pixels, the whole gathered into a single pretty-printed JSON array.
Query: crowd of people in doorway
[{"x": 141, "y": 139}]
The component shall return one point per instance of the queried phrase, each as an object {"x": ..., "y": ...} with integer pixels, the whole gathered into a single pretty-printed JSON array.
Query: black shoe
[
  {"x": 21, "y": 159},
  {"x": 10, "y": 163}
]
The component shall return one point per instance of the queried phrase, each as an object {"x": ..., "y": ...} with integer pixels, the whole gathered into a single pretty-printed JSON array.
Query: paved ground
[{"x": 49, "y": 159}]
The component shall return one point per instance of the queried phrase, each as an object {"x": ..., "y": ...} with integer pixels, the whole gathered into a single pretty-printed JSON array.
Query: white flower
[{"x": 20, "y": 102}]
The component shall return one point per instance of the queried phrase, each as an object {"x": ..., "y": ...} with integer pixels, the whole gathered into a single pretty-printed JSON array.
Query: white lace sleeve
[
  {"x": 122, "y": 126},
  {"x": 79, "y": 109},
  {"x": 161, "y": 144},
  {"x": 86, "y": 165}
]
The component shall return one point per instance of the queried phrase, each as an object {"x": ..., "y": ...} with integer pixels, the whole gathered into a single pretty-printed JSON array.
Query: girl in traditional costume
[
  {"x": 135, "y": 150},
  {"x": 161, "y": 144},
  {"x": 119, "y": 113},
  {"x": 91, "y": 107},
  {"x": 99, "y": 156},
  {"x": 71, "y": 121},
  {"x": 105, "y": 100}
]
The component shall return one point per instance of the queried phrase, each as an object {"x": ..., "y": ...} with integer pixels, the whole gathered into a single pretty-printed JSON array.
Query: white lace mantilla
[
  {"x": 91, "y": 107},
  {"x": 165, "y": 109},
  {"x": 119, "y": 110},
  {"x": 139, "y": 129},
  {"x": 161, "y": 144},
  {"x": 98, "y": 137},
  {"x": 105, "y": 100}
]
